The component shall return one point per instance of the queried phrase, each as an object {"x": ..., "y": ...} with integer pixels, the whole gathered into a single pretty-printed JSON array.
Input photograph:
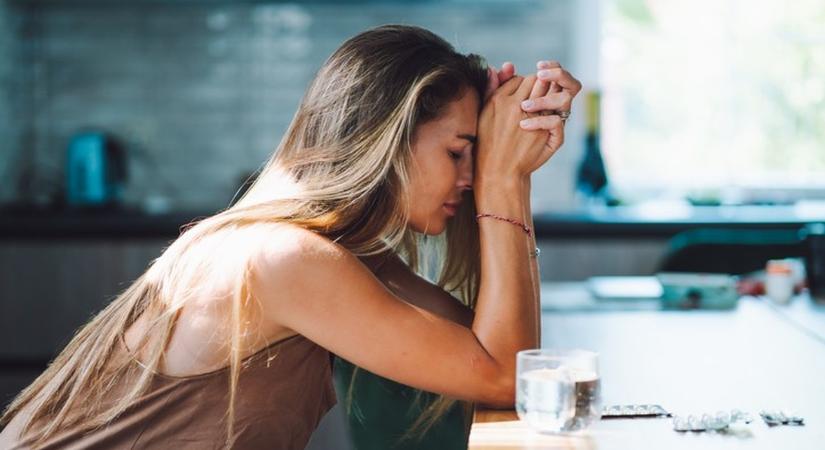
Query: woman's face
[{"x": 442, "y": 164}]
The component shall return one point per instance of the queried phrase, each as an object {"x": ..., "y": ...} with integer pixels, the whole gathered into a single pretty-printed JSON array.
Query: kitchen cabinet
[{"x": 49, "y": 288}]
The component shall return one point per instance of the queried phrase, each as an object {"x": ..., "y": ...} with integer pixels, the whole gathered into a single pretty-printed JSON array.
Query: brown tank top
[{"x": 283, "y": 392}]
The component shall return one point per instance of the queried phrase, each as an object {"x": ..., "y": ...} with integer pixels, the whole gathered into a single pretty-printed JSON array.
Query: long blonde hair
[{"x": 340, "y": 170}]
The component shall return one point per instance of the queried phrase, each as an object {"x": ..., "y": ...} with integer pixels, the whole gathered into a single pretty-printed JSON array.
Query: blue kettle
[{"x": 95, "y": 170}]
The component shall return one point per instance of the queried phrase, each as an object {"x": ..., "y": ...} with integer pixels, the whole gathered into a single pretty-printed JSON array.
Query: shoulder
[
  {"x": 292, "y": 273},
  {"x": 302, "y": 280},
  {"x": 295, "y": 263},
  {"x": 291, "y": 248}
]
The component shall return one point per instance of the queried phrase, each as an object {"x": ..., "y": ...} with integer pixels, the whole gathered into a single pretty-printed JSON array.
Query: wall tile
[
  {"x": 205, "y": 91},
  {"x": 13, "y": 91}
]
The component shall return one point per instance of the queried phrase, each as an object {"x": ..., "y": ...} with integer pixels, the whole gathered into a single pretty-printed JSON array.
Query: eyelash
[{"x": 455, "y": 155}]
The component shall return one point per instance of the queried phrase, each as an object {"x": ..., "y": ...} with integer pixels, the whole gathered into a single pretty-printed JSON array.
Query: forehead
[{"x": 459, "y": 116}]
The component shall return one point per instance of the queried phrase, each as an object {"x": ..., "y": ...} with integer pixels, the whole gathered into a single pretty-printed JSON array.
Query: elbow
[{"x": 500, "y": 391}]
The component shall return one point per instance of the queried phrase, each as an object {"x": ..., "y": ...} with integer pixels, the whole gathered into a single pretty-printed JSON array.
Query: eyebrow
[{"x": 468, "y": 137}]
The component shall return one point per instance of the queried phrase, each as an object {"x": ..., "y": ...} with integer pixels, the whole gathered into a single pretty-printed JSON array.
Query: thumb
[{"x": 508, "y": 69}]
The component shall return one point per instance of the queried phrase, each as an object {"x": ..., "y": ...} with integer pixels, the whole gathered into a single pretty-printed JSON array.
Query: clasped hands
[{"x": 522, "y": 120}]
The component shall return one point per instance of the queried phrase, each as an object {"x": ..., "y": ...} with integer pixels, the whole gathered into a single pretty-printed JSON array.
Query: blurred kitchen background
[{"x": 121, "y": 121}]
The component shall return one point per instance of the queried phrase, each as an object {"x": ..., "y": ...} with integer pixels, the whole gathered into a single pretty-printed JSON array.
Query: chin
[{"x": 433, "y": 228}]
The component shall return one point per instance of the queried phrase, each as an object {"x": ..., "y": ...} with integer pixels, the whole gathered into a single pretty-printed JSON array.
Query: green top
[{"x": 382, "y": 411}]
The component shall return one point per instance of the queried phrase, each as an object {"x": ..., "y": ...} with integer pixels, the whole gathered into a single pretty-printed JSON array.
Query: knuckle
[
  {"x": 515, "y": 81},
  {"x": 539, "y": 103},
  {"x": 577, "y": 84},
  {"x": 553, "y": 101}
]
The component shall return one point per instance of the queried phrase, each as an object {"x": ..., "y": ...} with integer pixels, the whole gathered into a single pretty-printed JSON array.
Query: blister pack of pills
[
  {"x": 710, "y": 422},
  {"x": 774, "y": 418},
  {"x": 630, "y": 411}
]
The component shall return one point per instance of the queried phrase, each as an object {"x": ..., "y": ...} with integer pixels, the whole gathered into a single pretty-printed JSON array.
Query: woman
[{"x": 225, "y": 341}]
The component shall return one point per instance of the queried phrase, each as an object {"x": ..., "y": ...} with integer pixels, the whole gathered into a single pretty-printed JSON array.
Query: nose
[{"x": 465, "y": 174}]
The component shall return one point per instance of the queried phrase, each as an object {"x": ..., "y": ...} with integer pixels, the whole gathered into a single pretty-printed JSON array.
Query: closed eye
[{"x": 455, "y": 155}]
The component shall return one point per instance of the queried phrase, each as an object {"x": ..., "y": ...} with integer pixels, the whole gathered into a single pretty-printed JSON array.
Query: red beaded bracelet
[{"x": 507, "y": 219}]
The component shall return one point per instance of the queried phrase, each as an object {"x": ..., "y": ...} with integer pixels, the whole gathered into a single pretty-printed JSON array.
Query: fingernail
[
  {"x": 543, "y": 74},
  {"x": 524, "y": 123},
  {"x": 527, "y": 104},
  {"x": 543, "y": 64}
]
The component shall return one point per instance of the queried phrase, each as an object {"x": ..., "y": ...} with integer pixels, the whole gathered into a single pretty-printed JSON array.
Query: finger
[
  {"x": 547, "y": 64},
  {"x": 525, "y": 87},
  {"x": 541, "y": 123},
  {"x": 555, "y": 139},
  {"x": 511, "y": 85},
  {"x": 554, "y": 87},
  {"x": 492, "y": 82},
  {"x": 540, "y": 89},
  {"x": 550, "y": 102},
  {"x": 562, "y": 78},
  {"x": 507, "y": 71}
]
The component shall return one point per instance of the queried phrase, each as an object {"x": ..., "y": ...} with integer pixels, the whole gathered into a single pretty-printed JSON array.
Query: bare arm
[
  {"x": 318, "y": 289},
  {"x": 535, "y": 273},
  {"x": 505, "y": 316},
  {"x": 552, "y": 91},
  {"x": 402, "y": 281}
]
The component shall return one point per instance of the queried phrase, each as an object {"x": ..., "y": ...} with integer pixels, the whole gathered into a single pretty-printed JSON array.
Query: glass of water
[{"x": 558, "y": 391}]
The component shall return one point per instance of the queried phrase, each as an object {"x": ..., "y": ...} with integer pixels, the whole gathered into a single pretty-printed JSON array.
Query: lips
[{"x": 451, "y": 208}]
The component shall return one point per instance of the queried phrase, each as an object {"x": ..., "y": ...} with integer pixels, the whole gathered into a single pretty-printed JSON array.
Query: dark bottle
[
  {"x": 814, "y": 238},
  {"x": 591, "y": 178}
]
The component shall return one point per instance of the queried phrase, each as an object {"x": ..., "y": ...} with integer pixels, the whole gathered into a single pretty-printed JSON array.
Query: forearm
[
  {"x": 506, "y": 309},
  {"x": 535, "y": 272}
]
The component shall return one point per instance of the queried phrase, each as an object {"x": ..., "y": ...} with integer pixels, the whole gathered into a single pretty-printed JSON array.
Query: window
[{"x": 707, "y": 95}]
